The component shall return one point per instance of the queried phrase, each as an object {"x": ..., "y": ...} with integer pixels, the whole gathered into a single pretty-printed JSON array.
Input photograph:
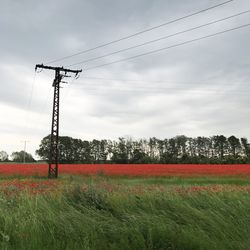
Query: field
[
  {"x": 125, "y": 207},
  {"x": 146, "y": 170}
]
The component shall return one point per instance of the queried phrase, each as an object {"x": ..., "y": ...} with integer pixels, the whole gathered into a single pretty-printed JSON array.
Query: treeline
[
  {"x": 179, "y": 149},
  {"x": 18, "y": 156}
]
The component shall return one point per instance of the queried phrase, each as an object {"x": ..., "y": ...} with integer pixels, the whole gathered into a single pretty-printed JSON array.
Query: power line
[
  {"x": 68, "y": 90},
  {"x": 168, "y": 91},
  {"x": 155, "y": 81},
  {"x": 157, "y": 88},
  {"x": 169, "y": 47},
  {"x": 46, "y": 100},
  {"x": 202, "y": 88},
  {"x": 140, "y": 32},
  {"x": 159, "y": 39},
  {"x": 185, "y": 88},
  {"x": 31, "y": 94},
  {"x": 28, "y": 109},
  {"x": 173, "y": 84}
]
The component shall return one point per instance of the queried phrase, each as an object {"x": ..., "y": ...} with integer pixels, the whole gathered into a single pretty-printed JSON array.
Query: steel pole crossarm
[{"x": 60, "y": 69}]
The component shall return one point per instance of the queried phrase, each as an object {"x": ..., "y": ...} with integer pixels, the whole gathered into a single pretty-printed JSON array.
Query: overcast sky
[{"x": 198, "y": 89}]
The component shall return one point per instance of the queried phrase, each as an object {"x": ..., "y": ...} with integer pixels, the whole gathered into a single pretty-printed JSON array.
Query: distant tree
[
  {"x": 103, "y": 151},
  {"x": 82, "y": 151},
  {"x": 220, "y": 145},
  {"x": 179, "y": 149},
  {"x": 70, "y": 150},
  {"x": 21, "y": 156},
  {"x": 166, "y": 155},
  {"x": 120, "y": 153},
  {"x": 181, "y": 142},
  {"x": 199, "y": 145},
  {"x": 129, "y": 148},
  {"x": 161, "y": 150},
  {"x": 3, "y": 156},
  {"x": 172, "y": 150},
  {"x": 234, "y": 146},
  {"x": 246, "y": 147},
  {"x": 153, "y": 149},
  {"x": 66, "y": 149},
  {"x": 44, "y": 148},
  {"x": 95, "y": 150},
  {"x": 138, "y": 153}
]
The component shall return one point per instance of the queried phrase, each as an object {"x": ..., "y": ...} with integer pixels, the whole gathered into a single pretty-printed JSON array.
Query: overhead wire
[
  {"x": 153, "y": 81},
  {"x": 159, "y": 88},
  {"x": 140, "y": 32},
  {"x": 29, "y": 102},
  {"x": 167, "y": 91},
  {"x": 132, "y": 88},
  {"x": 30, "y": 98},
  {"x": 116, "y": 84},
  {"x": 46, "y": 100},
  {"x": 169, "y": 47},
  {"x": 159, "y": 39},
  {"x": 68, "y": 89}
]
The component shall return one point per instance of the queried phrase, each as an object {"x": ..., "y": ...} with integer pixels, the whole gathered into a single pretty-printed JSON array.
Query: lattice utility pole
[{"x": 60, "y": 73}]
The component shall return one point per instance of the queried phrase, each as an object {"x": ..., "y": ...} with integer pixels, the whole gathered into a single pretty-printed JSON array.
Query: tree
[
  {"x": 246, "y": 147},
  {"x": 234, "y": 145},
  {"x": 85, "y": 149},
  {"x": 66, "y": 149},
  {"x": 70, "y": 150},
  {"x": 173, "y": 150},
  {"x": 44, "y": 148},
  {"x": 103, "y": 151},
  {"x": 181, "y": 143},
  {"x": 153, "y": 150},
  {"x": 22, "y": 156},
  {"x": 3, "y": 156},
  {"x": 203, "y": 149},
  {"x": 138, "y": 154},
  {"x": 99, "y": 150},
  {"x": 220, "y": 145},
  {"x": 120, "y": 153},
  {"x": 161, "y": 150}
]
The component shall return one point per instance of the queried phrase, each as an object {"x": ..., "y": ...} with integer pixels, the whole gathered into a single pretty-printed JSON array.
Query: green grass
[
  {"x": 184, "y": 181},
  {"x": 113, "y": 213}
]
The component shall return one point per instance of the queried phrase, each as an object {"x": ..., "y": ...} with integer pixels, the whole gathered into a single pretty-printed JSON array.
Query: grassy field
[{"x": 99, "y": 212}]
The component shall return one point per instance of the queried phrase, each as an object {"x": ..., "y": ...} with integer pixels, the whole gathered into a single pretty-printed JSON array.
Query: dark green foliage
[
  {"x": 90, "y": 197},
  {"x": 3, "y": 156},
  {"x": 180, "y": 149},
  {"x": 22, "y": 156}
]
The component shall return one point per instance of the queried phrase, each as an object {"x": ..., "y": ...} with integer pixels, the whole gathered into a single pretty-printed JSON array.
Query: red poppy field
[{"x": 129, "y": 169}]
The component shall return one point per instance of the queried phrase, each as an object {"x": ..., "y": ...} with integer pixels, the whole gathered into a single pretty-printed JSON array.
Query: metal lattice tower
[{"x": 60, "y": 73}]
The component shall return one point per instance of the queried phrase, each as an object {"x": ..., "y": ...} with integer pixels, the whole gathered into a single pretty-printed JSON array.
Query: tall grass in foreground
[{"x": 92, "y": 218}]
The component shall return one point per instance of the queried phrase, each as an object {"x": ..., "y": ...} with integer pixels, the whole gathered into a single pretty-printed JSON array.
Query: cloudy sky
[{"x": 197, "y": 89}]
